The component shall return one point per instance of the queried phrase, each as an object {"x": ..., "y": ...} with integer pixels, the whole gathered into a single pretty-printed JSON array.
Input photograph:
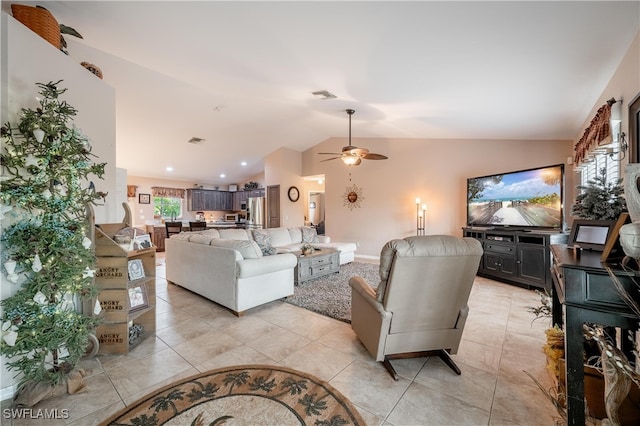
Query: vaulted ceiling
[{"x": 240, "y": 75}]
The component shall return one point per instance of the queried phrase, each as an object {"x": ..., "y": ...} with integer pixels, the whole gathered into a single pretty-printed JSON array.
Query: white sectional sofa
[{"x": 228, "y": 266}]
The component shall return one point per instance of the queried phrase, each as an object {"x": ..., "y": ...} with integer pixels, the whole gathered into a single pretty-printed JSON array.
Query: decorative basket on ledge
[{"x": 39, "y": 20}]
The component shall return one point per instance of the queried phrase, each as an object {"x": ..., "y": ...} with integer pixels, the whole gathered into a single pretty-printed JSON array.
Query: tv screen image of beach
[{"x": 527, "y": 198}]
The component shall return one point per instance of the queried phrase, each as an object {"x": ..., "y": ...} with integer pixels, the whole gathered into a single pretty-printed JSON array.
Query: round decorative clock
[{"x": 294, "y": 194}]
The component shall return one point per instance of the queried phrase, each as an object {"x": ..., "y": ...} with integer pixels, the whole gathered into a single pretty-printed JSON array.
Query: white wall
[
  {"x": 282, "y": 167},
  {"x": 26, "y": 60}
]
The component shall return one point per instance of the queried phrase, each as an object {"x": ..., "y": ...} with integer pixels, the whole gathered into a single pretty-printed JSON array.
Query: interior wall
[
  {"x": 434, "y": 170},
  {"x": 282, "y": 167},
  {"x": 27, "y": 59}
]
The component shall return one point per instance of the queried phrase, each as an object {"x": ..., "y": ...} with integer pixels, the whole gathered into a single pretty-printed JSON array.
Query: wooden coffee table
[{"x": 321, "y": 262}]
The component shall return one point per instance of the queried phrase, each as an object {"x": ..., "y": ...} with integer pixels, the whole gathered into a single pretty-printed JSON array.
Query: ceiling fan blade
[
  {"x": 330, "y": 153},
  {"x": 329, "y": 159},
  {"x": 372, "y": 156}
]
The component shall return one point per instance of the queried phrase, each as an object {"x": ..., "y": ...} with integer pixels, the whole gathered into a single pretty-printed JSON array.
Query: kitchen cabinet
[
  {"x": 238, "y": 199},
  {"x": 208, "y": 200}
]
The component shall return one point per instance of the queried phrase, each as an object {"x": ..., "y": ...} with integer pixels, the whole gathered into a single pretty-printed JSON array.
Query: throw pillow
[
  {"x": 248, "y": 249},
  {"x": 263, "y": 239},
  {"x": 309, "y": 235}
]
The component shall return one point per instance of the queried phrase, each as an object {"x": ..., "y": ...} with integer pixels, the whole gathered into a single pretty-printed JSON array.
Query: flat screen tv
[{"x": 529, "y": 198}]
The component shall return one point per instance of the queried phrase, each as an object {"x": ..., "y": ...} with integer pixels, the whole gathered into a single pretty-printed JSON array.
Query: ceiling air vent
[
  {"x": 324, "y": 94},
  {"x": 196, "y": 141}
]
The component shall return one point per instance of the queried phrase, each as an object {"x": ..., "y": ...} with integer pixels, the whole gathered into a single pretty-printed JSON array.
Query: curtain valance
[
  {"x": 159, "y": 191},
  {"x": 597, "y": 134}
]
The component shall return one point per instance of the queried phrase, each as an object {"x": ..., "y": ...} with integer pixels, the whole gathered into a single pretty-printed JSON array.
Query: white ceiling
[{"x": 240, "y": 74}]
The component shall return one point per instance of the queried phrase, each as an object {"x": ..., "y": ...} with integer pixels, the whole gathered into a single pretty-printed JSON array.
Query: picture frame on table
[
  {"x": 136, "y": 269},
  {"x": 590, "y": 234},
  {"x": 138, "y": 298},
  {"x": 141, "y": 242},
  {"x": 144, "y": 198},
  {"x": 612, "y": 249}
]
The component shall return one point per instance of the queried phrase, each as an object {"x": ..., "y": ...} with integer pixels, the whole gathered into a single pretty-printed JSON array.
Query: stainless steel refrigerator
[{"x": 255, "y": 213}]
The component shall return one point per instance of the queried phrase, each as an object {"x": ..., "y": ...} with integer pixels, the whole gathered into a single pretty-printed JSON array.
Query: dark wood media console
[{"x": 517, "y": 256}]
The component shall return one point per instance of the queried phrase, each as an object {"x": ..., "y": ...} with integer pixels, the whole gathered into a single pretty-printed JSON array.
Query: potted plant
[{"x": 599, "y": 199}]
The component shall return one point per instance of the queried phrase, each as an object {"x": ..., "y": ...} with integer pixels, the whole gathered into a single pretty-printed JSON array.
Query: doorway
[{"x": 316, "y": 210}]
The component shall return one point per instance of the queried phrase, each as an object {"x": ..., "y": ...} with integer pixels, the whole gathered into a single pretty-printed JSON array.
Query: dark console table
[{"x": 583, "y": 285}]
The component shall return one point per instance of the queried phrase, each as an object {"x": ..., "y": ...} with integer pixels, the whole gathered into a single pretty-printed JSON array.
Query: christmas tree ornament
[
  {"x": 36, "y": 266},
  {"x": 40, "y": 298},
  {"x": 9, "y": 333},
  {"x": 38, "y": 133},
  {"x": 86, "y": 243},
  {"x": 10, "y": 266}
]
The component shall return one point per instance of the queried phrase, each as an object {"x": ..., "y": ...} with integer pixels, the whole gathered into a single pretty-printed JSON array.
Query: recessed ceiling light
[
  {"x": 244, "y": 163},
  {"x": 169, "y": 169},
  {"x": 324, "y": 94},
  {"x": 222, "y": 175}
]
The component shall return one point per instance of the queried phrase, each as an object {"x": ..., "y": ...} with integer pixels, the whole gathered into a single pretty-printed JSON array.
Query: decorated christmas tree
[
  {"x": 599, "y": 199},
  {"x": 47, "y": 254}
]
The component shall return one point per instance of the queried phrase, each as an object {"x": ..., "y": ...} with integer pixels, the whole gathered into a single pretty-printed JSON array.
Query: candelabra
[{"x": 421, "y": 214}]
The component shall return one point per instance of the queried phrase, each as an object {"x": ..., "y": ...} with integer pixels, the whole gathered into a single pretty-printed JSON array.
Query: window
[
  {"x": 599, "y": 160},
  {"x": 167, "y": 207}
]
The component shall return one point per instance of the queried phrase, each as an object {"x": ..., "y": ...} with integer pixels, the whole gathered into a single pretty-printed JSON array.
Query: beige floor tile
[
  {"x": 249, "y": 328},
  {"x": 474, "y": 386},
  {"x": 522, "y": 403},
  {"x": 96, "y": 417},
  {"x": 421, "y": 405},
  {"x": 206, "y": 346},
  {"x": 344, "y": 339},
  {"x": 319, "y": 360},
  {"x": 370, "y": 386},
  {"x": 183, "y": 331},
  {"x": 138, "y": 374},
  {"x": 477, "y": 355},
  {"x": 279, "y": 344},
  {"x": 241, "y": 355}
]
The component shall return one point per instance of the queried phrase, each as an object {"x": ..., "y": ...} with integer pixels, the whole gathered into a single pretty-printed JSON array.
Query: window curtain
[
  {"x": 598, "y": 133},
  {"x": 159, "y": 191}
]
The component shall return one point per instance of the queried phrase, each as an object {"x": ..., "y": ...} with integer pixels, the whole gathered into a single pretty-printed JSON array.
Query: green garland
[{"x": 45, "y": 185}]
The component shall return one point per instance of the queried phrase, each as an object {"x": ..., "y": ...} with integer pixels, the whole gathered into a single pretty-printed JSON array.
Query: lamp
[
  {"x": 350, "y": 159},
  {"x": 312, "y": 205},
  {"x": 421, "y": 215}
]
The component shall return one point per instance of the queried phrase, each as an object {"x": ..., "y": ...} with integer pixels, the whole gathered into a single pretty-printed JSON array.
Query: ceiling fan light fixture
[
  {"x": 195, "y": 140},
  {"x": 350, "y": 160}
]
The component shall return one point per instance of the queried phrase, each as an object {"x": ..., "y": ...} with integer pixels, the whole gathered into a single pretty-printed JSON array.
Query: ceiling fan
[{"x": 352, "y": 155}]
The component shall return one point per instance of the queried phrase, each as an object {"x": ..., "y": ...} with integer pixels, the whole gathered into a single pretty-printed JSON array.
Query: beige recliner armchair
[{"x": 420, "y": 306}]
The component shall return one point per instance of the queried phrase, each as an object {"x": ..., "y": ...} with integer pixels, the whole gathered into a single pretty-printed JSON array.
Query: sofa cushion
[
  {"x": 200, "y": 239},
  {"x": 248, "y": 249},
  {"x": 234, "y": 234},
  {"x": 213, "y": 233},
  {"x": 262, "y": 238},
  {"x": 186, "y": 236},
  {"x": 279, "y": 236},
  {"x": 309, "y": 234},
  {"x": 295, "y": 234}
]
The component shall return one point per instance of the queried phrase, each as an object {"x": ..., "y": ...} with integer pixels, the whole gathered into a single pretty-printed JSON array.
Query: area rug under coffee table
[
  {"x": 331, "y": 295},
  {"x": 243, "y": 395}
]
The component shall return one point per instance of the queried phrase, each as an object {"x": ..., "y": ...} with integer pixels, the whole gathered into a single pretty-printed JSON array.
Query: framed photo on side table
[
  {"x": 613, "y": 249},
  {"x": 138, "y": 297},
  {"x": 590, "y": 234}
]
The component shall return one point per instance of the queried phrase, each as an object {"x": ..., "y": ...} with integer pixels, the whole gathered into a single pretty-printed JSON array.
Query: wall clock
[{"x": 293, "y": 194}]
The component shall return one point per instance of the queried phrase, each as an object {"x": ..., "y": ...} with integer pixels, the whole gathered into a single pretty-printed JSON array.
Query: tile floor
[{"x": 194, "y": 335}]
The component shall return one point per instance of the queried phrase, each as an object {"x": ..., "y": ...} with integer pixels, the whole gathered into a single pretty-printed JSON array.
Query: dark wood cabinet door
[{"x": 273, "y": 206}]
